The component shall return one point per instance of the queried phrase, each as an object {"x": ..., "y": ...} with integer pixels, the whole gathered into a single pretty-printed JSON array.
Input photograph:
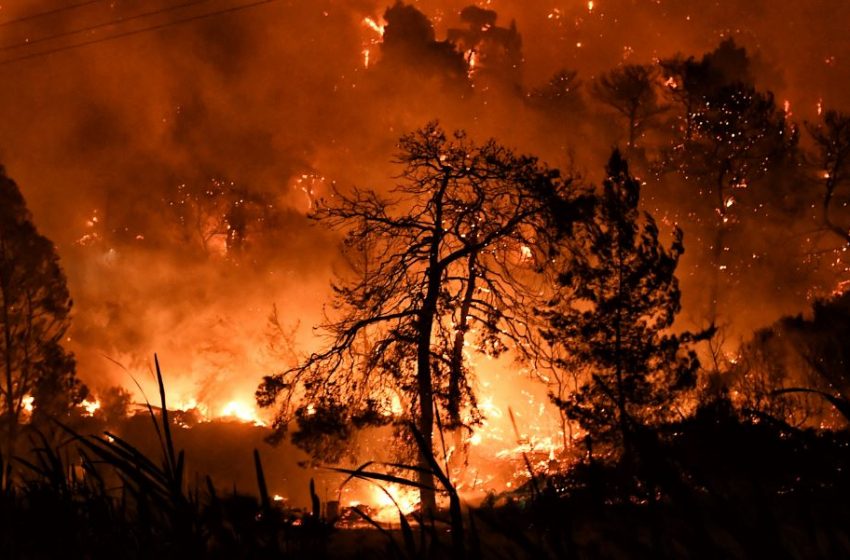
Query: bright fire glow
[
  {"x": 471, "y": 60},
  {"x": 387, "y": 511},
  {"x": 241, "y": 411},
  {"x": 374, "y": 26},
  {"x": 26, "y": 408},
  {"x": 191, "y": 404},
  {"x": 369, "y": 45},
  {"x": 90, "y": 406}
]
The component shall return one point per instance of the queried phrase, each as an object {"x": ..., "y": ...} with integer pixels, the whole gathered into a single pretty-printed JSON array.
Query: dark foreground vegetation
[{"x": 725, "y": 483}]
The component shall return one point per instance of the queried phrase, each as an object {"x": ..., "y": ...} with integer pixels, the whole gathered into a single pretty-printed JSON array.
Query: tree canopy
[
  {"x": 34, "y": 314},
  {"x": 611, "y": 318},
  {"x": 446, "y": 262}
]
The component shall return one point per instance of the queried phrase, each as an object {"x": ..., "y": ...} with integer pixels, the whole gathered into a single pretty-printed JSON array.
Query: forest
[{"x": 424, "y": 280}]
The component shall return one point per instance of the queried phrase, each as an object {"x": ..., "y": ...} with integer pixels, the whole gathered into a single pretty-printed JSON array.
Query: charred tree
[{"x": 437, "y": 267}]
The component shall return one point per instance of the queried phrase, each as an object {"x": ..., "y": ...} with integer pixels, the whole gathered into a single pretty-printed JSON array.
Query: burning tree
[
  {"x": 438, "y": 267},
  {"x": 732, "y": 136},
  {"x": 222, "y": 215},
  {"x": 34, "y": 309},
  {"x": 610, "y": 320},
  {"x": 493, "y": 52},
  {"x": 410, "y": 47},
  {"x": 691, "y": 82}
]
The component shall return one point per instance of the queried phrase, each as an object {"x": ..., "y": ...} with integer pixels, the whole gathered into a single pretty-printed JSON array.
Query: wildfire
[
  {"x": 241, "y": 411},
  {"x": 27, "y": 408},
  {"x": 374, "y": 26},
  {"x": 378, "y": 29},
  {"x": 391, "y": 499},
  {"x": 192, "y": 404},
  {"x": 90, "y": 406},
  {"x": 311, "y": 184},
  {"x": 472, "y": 62}
]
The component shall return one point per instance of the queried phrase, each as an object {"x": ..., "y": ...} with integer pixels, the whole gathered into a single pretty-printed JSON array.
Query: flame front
[
  {"x": 390, "y": 500},
  {"x": 242, "y": 411}
]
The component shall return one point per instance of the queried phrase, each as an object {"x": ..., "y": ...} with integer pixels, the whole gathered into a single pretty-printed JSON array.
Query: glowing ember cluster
[{"x": 376, "y": 27}]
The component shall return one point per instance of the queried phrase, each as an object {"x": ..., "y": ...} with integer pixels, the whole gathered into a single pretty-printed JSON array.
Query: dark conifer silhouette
[
  {"x": 630, "y": 91},
  {"x": 690, "y": 82},
  {"x": 611, "y": 319}
]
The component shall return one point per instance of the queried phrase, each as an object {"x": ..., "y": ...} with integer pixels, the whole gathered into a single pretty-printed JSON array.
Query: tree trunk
[
  {"x": 425, "y": 425},
  {"x": 456, "y": 369},
  {"x": 622, "y": 415},
  {"x": 9, "y": 420},
  {"x": 424, "y": 378},
  {"x": 719, "y": 239}
]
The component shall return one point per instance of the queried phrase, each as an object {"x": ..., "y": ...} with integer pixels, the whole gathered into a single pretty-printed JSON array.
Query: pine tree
[
  {"x": 630, "y": 91},
  {"x": 618, "y": 297},
  {"x": 733, "y": 139}
]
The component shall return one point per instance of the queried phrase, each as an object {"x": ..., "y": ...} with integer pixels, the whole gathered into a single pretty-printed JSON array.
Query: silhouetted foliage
[
  {"x": 691, "y": 82},
  {"x": 832, "y": 161},
  {"x": 115, "y": 404},
  {"x": 410, "y": 47},
  {"x": 612, "y": 316},
  {"x": 56, "y": 388},
  {"x": 34, "y": 314},
  {"x": 438, "y": 266},
  {"x": 496, "y": 51},
  {"x": 798, "y": 352},
  {"x": 560, "y": 96},
  {"x": 731, "y": 137},
  {"x": 631, "y": 91}
]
